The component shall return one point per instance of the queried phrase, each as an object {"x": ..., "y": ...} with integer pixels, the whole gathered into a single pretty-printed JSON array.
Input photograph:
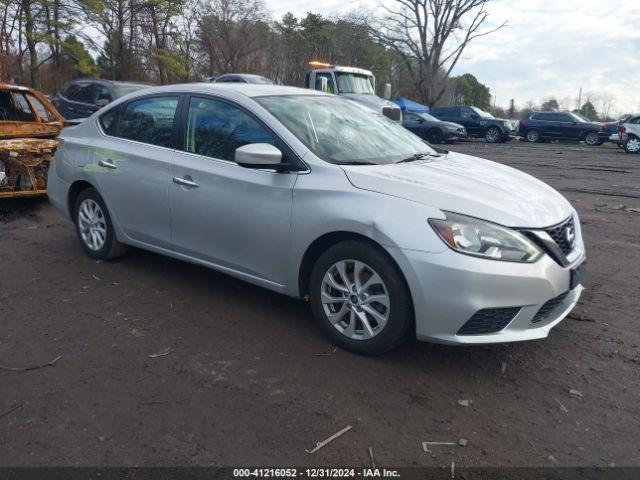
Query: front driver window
[{"x": 216, "y": 128}]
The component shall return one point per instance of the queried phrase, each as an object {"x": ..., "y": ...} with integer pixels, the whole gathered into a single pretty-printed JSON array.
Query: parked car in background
[
  {"x": 609, "y": 130},
  {"x": 308, "y": 194},
  {"x": 29, "y": 125},
  {"x": 555, "y": 125},
  {"x": 416, "y": 118},
  {"x": 478, "y": 123},
  {"x": 242, "y": 78},
  {"x": 629, "y": 133},
  {"x": 81, "y": 98},
  {"x": 431, "y": 129}
]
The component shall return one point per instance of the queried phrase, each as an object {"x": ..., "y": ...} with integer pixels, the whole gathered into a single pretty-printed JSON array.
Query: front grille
[
  {"x": 488, "y": 320},
  {"x": 391, "y": 112},
  {"x": 548, "y": 308},
  {"x": 559, "y": 235}
]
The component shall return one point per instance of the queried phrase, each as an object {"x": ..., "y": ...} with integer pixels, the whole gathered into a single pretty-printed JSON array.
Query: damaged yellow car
[{"x": 29, "y": 126}]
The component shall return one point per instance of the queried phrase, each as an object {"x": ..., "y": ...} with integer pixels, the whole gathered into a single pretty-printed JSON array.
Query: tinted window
[
  {"x": 149, "y": 120},
  {"x": 215, "y": 129},
  {"x": 229, "y": 79},
  {"x": 108, "y": 121},
  {"x": 634, "y": 120},
  {"x": 547, "y": 117},
  {"x": 466, "y": 113}
]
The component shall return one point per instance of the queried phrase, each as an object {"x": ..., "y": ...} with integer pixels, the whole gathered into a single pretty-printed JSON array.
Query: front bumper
[
  {"x": 455, "y": 134},
  {"x": 448, "y": 288}
]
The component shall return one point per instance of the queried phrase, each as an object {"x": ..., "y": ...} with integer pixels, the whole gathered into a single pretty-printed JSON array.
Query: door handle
[
  {"x": 107, "y": 164},
  {"x": 187, "y": 182}
]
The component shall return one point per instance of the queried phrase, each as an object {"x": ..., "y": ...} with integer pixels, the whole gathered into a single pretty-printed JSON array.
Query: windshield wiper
[
  {"x": 356, "y": 162},
  {"x": 418, "y": 156}
]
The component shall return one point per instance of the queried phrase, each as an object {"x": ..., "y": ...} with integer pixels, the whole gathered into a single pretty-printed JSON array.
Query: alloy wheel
[
  {"x": 492, "y": 135},
  {"x": 355, "y": 299},
  {"x": 92, "y": 224},
  {"x": 633, "y": 145},
  {"x": 533, "y": 136},
  {"x": 591, "y": 138}
]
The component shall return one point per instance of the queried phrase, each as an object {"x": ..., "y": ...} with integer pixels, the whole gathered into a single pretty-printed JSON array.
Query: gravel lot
[{"x": 244, "y": 377}]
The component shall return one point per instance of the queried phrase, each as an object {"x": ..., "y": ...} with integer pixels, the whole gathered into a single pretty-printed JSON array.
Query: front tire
[
  {"x": 493, "y": 135},
  {"x": 360, "y": 299},
  {"x": 94, "y": 228},
  {"x": 435, "y": 136},
  {"x": 592, "y": 139},
  {"x": 632, "y": 145}
]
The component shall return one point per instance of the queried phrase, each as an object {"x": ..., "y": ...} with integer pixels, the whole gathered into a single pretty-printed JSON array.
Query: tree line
[{"x": 414, "y": 44}]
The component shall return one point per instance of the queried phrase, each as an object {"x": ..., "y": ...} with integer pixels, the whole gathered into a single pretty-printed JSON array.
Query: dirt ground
[{"x": 242, "y": 376}]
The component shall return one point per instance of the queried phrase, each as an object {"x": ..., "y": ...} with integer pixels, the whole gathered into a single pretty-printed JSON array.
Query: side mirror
[
  {"x": 262, "y": 156},
  {"x": 387, "y": 91},
  {"x": 102, "y": 102},
  {"x": 474, "y": 116}
]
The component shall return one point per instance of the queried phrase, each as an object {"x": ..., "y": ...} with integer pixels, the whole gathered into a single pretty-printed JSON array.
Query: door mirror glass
[
  {"x": 101, "y": 102},
  {"x": 258, "y": 155}
]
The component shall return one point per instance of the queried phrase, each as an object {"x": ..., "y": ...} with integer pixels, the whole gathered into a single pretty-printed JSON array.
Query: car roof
[{"x": 246, "y": 89}]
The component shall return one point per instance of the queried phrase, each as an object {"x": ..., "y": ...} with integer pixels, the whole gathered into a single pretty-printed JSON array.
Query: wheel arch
[
  {"x": 74, "y": 190},
  {"x": 322, "y": 244}
]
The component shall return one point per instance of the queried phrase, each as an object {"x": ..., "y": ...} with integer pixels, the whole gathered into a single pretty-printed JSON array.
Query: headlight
[{"x": 483, "y": 239}]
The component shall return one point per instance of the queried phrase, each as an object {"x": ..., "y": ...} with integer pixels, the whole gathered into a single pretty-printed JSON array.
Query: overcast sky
[{"x": 549, "y": 48}]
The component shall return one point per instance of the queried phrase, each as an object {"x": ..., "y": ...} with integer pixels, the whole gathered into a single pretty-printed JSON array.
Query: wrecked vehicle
[{"x": 29, "y": 126}]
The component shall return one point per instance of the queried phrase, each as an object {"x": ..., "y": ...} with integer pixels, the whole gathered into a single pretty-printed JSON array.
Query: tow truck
[{"x": 356, "y": 84}]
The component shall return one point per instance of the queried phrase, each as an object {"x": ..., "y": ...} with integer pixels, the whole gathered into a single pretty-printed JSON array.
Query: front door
[
  {"x": 132, "y": 166},
  {"x": 234, "y": 217}
]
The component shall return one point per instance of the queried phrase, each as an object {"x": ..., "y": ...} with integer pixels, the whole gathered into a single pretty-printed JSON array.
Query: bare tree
[
  {"x": 230, "y": 32},
  {"x": 430, "y": 36}
]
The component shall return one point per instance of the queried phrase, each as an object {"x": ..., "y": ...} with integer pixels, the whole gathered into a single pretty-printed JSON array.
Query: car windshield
[
  {"x": 340, "y": 131},
  {"x": 258, "y": 80},
  {"x": 427, "y": 117},
  {"x": 482, "y": 113},
  {"x": 123, "y": 89},
  {"x": 354, "y": 83}
]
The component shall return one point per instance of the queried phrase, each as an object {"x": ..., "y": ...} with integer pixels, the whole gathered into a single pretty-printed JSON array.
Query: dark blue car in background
[{"x": 416, "y": 118}]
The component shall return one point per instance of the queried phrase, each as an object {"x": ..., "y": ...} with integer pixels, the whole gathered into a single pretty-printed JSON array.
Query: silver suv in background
[
  {"x": 310, "y": 195},
  {"x": 629, "y": 134}
]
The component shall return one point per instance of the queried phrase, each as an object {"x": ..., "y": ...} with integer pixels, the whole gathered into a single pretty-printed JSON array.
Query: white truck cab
[{"x": 354, "y": 83}]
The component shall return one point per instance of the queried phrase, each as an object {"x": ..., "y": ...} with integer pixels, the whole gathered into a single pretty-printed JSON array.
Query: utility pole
[{"x": 579, "y": 99}]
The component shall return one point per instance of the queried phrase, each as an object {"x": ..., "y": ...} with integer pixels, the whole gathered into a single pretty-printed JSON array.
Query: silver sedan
[{"x": 314, "y": 196}]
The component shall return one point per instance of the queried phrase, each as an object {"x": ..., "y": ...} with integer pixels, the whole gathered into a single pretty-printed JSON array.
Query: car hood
[
  {"x": 467, "y": 185},
  {"x": 452, "y": 125}
]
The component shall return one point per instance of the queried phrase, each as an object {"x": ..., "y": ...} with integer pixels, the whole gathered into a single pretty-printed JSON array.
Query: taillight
[
  {"x": 620, "y": 129},
  {"x": 523, "y": 122}
]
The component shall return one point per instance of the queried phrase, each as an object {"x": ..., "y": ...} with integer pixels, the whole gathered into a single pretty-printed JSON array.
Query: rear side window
[
  {"x": 43, "y": 112},
  {"x": 108, "y": 121},
  {"x": 24, "y": 110},
  {"x": 14, "y": 107},
  {"x": 216, "y": 128},
  {"x": 148, "y": 120}
]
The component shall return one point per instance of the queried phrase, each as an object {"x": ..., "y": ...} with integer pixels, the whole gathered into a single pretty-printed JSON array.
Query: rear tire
[
  {"x": 493, "y": 135},
  {"x": 632, "y": 145},
  {"x": 94, "y": 228},
  {"x": 372, "y": 312},
  {"x": 533, "y": 136}
]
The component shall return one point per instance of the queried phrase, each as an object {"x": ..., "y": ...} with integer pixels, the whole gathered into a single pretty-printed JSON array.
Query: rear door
[
  {"x": 234, "y": 217},
  {"x": 131, "y": 163}
]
